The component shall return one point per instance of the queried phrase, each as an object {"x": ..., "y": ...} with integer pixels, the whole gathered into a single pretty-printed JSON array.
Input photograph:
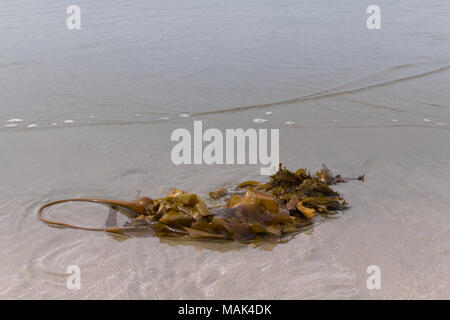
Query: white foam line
[{"x": 15, "y": 120}]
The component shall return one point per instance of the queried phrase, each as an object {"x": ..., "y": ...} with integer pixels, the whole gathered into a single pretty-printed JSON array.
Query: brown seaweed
[{"x": 283, "y": 206}]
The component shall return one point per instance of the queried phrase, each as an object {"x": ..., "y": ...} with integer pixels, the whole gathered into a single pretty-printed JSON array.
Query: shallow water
[{"x": 89, "y": 113}]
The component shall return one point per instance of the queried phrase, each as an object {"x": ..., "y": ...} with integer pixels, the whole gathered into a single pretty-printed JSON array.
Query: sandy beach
[{"x": 89, "y": 113}]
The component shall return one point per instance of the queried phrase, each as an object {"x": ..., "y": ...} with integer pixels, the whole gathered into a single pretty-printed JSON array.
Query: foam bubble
[
  {"x": 258, "y": 120},
  {"x": 15, "y": 120},
  {"x": 184, "y": 115},
  {"x": 11, "y": 125},
  {"x": 32, "y": 125},
  {"x": 269, "y": 112},
  {"x": 69, "y": 121},
  {"x": 289, "y": 122}
]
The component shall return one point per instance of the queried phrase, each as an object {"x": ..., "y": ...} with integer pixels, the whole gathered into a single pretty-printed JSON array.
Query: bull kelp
[{"x": 249, "y": 213}]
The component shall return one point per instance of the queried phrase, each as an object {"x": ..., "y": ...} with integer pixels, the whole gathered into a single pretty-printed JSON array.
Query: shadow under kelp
[{"x": 267, "y": 243}]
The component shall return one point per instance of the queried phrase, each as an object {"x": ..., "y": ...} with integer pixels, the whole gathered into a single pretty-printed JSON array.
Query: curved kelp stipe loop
[{"x": 137, "y": 207}]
